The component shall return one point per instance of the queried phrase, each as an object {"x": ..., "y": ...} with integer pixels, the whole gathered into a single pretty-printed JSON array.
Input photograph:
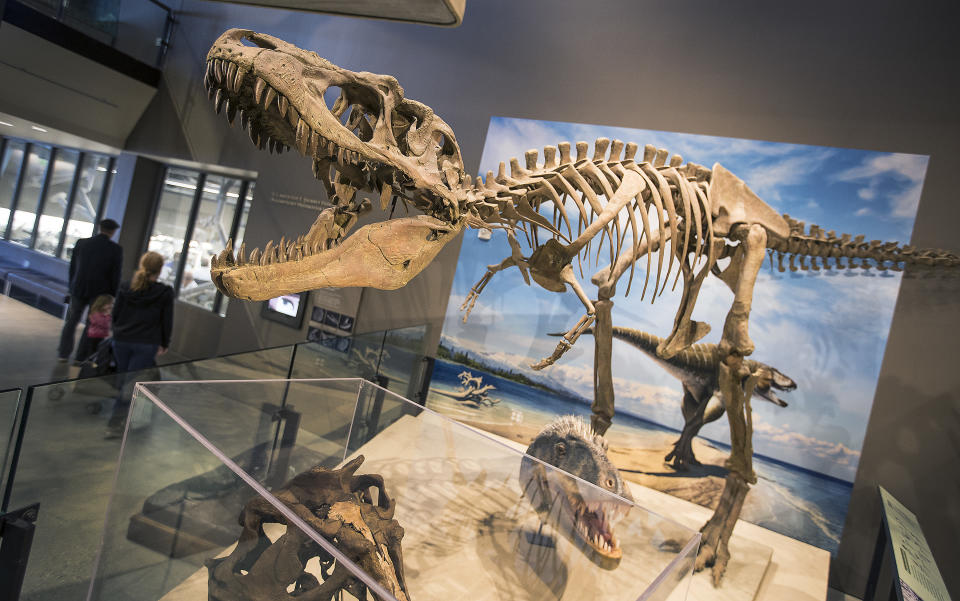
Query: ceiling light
[
  {"x": 5, "y": 123},
  {"x": 35, "y": 128}
]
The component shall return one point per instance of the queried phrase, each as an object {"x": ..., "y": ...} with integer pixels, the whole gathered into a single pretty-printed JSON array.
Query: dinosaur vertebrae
[
  {"x": 825, "y": 250},
  {"x": 679, "y": 194}
]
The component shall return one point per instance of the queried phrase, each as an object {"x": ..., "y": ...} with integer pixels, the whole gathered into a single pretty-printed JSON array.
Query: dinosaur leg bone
[
  {"x": 748, "y": 259},
  {"x": 568, "y": 340},
  {"x": 603, "y": 395},
  {"x": 716, "y": 532}
]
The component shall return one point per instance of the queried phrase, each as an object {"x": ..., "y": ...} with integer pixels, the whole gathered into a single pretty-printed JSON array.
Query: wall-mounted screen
[{"x": 287, "y": 309}]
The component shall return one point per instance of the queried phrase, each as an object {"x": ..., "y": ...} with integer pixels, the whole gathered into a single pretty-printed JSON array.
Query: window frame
[
  {"x": 6, "y": 230},
  {"x": 202, "y": 174}
]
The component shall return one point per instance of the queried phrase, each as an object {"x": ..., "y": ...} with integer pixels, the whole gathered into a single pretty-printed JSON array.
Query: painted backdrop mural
[{"x": 826, "y": 330}]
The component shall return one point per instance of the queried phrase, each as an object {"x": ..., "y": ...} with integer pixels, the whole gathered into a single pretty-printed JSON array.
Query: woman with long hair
[{"x": 142, "y": 323}]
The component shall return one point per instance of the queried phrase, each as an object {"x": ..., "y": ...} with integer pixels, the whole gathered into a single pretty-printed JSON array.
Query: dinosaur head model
[
  {"x": 370, "y": 139},
  {"x": 582, "y": 513}
]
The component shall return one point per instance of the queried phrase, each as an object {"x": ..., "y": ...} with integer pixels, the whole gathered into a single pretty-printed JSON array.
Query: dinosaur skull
[
  {"x": 342, "y": 508},
  {"x": 584, "y": 514},
  {"x": 369, "y": 139}
]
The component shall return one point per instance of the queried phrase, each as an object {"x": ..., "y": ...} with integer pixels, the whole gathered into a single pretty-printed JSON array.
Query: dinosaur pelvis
[{"x": 734, "y": 203}]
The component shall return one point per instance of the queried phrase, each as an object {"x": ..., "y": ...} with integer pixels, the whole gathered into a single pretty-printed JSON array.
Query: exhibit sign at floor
[{"x": 823, "y": 330}]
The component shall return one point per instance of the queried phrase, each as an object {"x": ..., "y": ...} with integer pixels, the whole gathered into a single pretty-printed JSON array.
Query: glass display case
[{"x": 269, "y": 489}]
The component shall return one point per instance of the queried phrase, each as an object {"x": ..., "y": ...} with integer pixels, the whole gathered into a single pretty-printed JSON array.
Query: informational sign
[
  {"x": 298, "y": 200},
  {"x": 920, "y": 579}
]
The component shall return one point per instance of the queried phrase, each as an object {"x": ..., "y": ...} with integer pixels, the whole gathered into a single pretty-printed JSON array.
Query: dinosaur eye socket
[
  {"x": 561, "y": 449},
  {"x": 610, "y": 482}
]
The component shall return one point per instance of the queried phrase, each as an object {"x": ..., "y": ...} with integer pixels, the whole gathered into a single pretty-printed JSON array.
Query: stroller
[
  {"x": 101, "y": 362},
  {"x": 92, "y": 380}
]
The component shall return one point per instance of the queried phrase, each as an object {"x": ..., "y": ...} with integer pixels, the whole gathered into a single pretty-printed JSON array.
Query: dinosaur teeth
[
  {"x": 244, "y": 120},
  {"x": 242, "y": 254},
  {"x": 258, "y": 87},
  {"x": 238, "y": 79},
  {"x": 255, "y": 256},
  {"x": 218, "y": 99},
  {"x": 209, "y": 73},
  {"x": 231, "y": 111},
  {"x": 302, "y": 135},
  {"x": 231, "y": 74},
  {"x": 282, "y": 104},
  {"x": 268, "y": 98}
]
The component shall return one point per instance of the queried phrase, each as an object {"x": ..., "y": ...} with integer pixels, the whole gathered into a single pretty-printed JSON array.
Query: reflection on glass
[
  {"x": 218, "y": 203},
  {"x": 101, "y": 15},
  {"x": 93, "y": 174},
  {"x": 238, "y": 238},
  {"x": 38, "y": 159},
  {"x": 9, "y": 170},
  {"x": 55, "y": 205},
  {"x": 170, "y": 225}
]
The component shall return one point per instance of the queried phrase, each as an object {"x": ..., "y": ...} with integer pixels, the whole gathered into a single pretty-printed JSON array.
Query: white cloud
[
  {"x": 792, "y": 169},
  {"x": 863, "y": 212},
  {"x": 908, "y": 168},
  {"x": 911, "y": 167}
]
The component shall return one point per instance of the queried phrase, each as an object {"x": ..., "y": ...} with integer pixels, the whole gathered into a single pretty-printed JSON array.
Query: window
[
  {"x": 51, "y": 196},
  {"x": 59, "y": 182},
  {"x": 196, "y": 214},
  {"x": 34, "y": 174},
  {"x": 89, "y": 196},
  {"x": 12, "y": 159}
]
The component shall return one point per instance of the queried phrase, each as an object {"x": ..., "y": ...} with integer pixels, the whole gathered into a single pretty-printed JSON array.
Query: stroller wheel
[{"x": 55, "y": 393}]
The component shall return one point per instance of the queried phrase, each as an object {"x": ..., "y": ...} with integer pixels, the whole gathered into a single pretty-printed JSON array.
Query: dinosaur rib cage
[
  {"x": 825, "y": 250},
  {"x": 678, "y": 194}
]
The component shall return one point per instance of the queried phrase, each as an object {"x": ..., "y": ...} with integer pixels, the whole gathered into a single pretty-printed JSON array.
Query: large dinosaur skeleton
[{"x": 372, "y": 139}]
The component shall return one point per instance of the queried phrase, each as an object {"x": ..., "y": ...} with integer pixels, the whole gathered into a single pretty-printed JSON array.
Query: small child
[{"x": 98, "y": 326}]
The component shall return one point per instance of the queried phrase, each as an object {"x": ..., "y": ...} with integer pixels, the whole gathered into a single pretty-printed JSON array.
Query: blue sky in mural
[{"x": 828, "y": 332}]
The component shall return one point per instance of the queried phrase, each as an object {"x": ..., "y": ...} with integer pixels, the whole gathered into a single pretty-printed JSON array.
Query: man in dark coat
[{"x": 94, "y": 270}]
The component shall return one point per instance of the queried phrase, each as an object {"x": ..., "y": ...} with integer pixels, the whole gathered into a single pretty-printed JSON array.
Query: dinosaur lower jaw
[
  {"x": 593, "y": 526},
  {"x": 385, "y": 255}
]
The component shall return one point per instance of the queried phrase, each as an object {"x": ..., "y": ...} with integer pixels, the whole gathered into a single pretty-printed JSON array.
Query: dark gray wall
[
  {"x": 131, "y": 203},
  {"x": 879, "y": 76}
]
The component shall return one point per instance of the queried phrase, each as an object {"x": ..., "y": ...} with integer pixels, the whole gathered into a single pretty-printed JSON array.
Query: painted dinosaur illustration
[
  {"x": 585, "y": 516},
  {"x": 372, "y": 139},
  {"x": 697, "y": 368}
]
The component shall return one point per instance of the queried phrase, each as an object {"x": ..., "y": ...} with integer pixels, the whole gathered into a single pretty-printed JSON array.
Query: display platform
[
  {"x": 764, "y": 566},
  {"x": 435, "y": 510}
]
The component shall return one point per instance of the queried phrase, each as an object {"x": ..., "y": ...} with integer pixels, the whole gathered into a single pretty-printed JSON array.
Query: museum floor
[{"x": 67, "y": 464}]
